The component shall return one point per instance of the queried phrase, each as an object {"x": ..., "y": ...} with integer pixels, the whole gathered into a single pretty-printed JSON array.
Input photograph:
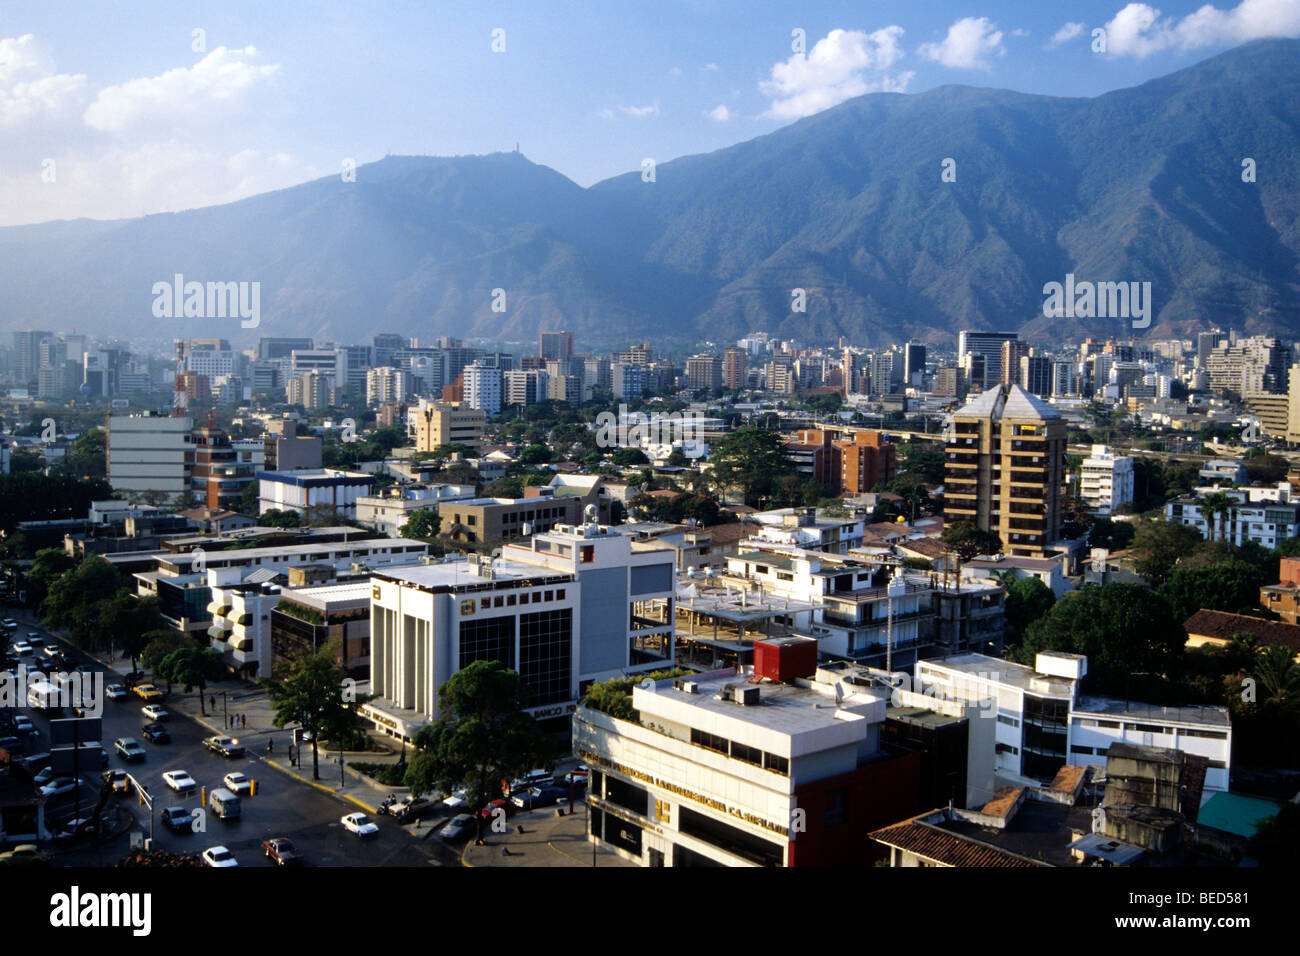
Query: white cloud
[
  {"x": 216, "y": 83},
  {"x": 1019, "y": 32},
  {"x": 1066, "y": 33},
  {"x": 710, "y": 67},
  {"x": 30, "y": 88},
  {"x": 720, "y": 113},
  {"x": 640, "y": 112},
  {"x": 969, "y": 44},
  {"x": 1140, "y": 30},
  {"x": 675, "y": 71},
  {"x": 843, "y": 64}
]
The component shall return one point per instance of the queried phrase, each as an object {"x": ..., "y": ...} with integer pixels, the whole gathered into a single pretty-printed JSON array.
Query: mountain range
[{"x": 851, "y": 205}]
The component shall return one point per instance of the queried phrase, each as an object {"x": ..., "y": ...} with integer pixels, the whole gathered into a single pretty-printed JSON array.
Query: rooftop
[
  {"x": 1006, "y": 672},
  {"x": 460, "y": 574},
  {"x": 1195, "y": 714}
]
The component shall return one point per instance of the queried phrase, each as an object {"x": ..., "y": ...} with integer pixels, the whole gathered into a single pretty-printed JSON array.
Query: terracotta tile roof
[
  {"x": 926, "y": 547},
  {"x": 945, "y": 848},
  {"x": 1004, "y": 800},
  {"x": 1067, "y": 778},
  {"x": 1220, "y": 625},
  {"x": 727, "y": 533}
]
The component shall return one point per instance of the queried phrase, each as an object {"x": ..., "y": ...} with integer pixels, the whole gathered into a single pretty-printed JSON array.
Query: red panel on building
[{"x": 783, "y": 659}]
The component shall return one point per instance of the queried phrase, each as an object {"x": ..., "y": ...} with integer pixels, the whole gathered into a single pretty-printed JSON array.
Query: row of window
[
  {"x": 510, "y": 600},
  {"x": 1155, "y": 729},
  {"x": 738, "y": 751}
]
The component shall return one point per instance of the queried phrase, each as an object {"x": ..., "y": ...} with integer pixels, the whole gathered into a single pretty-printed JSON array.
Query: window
[
  {"x": 485, "y": 603},
  {"x": 559, "y": 594},
  {"x": 709, "y": 741},
  {"x": 588, "y": 553},
  {"x": 510, "y": 600},
  {"x": 1009, "y": 721},
  {"x": 776, "y": 764},
  {"x": 748, "y": 754},
  {"x": 836, "y": 807},
  {"x": 498, "y": 601},
  {"x": 550, "y": 595}
]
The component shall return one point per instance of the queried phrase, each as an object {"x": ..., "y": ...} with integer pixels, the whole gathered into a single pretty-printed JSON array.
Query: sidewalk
[{"x": 548, "y": 840}]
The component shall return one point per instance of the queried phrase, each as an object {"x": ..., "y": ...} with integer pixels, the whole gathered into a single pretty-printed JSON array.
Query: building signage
[
  {"x": 557, "y": 711},
  {"x": 709, "y": 802}
]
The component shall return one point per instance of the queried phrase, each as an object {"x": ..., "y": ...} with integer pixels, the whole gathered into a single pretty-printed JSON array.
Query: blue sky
[{"x": 113, "y": 109}]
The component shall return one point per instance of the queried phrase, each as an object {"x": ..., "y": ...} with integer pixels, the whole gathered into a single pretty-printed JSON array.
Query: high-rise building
[
  {"x": 386, "y": 384},
  {"x": 704, "y": 371},
  {"x": 311, "y": 390},
  {"x": 149, "y": 453},
  {"x": 439, "y": 424},
  {"x": 1036, "y": 375},
  {"x": 1064, "y": 379},
  {"x": 1013, "y": 350},
  {"x": 988, "y": 345},
  {"x": 386, "y": 346},
  {"x": 1206, "y": 342},
  {"x": 733, "y": 369},
  {"x": 483, "y": 387},
  {"x": 635, "y": 354},
  {"x": 278, "y": 348},
  {"x": 1107, "y": 480},
  {"x": 627, "y": 380},
  {"x": 913, "y": 364},
  {"x": 26, "y": 361},
  {"x": 1006, "y": 469},
  {"x": 555, "y": 345},
  {"x": 525, "y": 387}
]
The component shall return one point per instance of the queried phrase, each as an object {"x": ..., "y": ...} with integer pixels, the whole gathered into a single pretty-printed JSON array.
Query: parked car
[
  {"x": 534, "y": 778},
  {"x": 23, "y": 725},
  {"x": 26, "y": 854},
  {"x": 411, "y": 809},
  {"x": 155, "y": 712},
  {"x": 459, "y": 827},
  {"x": 115, "y": 692},
  {"x": 180, "y": 781},
  {"x": 488, "y": 812},
  {"x": 44, "y": 776},
  {"x": 540, "y": 797},
  {"x": 282, "y": 852},
  {"x": 457, "y": 800},
  {"x": 177, "y": 819},
  {"x": 148, "y": 692},
  {"x": 238, "y": 784},
  {"x": 360, "y": 824},
  {"x": 78, "y": 829},
  {"x": 226, "y": 746},
  {"x": 129, "y": 749},
  {"x": 156, "y": 734},
  {"x": 219, "y": 856}
]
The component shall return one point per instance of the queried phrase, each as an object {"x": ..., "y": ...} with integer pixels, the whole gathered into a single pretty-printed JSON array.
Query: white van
[{"x": 224, "y": 804}]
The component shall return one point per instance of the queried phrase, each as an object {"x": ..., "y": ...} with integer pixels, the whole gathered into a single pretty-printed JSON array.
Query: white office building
[
  {"x": 308, "y": 488},
  {"x": 562, "y": 610},
  {"x": 148, "y": 452},
  {"x": 388, "y": 512},
  {"x": 1107, "y": 480},
  {"x": 1267, "y": 516},
  {"x": 1043, "y": 723},
  {"x": 483, "y": 387}
]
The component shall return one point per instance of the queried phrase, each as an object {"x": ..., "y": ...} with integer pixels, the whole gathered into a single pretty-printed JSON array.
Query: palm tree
[
  {"x": 1214, "y": 504},
  {"x": 1277, "y": 675}
]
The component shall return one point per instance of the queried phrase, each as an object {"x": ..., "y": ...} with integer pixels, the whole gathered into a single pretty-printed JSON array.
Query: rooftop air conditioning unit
[
  {"x": 747, "y": 696},
  {"x": 691, "y": 687}
]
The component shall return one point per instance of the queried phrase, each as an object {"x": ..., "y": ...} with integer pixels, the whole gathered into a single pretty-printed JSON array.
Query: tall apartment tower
[
  {"x": 913, "y": 364},
  {"x": 555, "y": 345},
  {"x": 733, "y": 369},
  {"x": 704, "y": 371},
  {"x": 1006, "y": 469},
  {"x": 989, "y": 346}
]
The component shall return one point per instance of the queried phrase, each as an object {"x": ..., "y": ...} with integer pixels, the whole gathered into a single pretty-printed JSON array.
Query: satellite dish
[{"x": 591, "y": 512}]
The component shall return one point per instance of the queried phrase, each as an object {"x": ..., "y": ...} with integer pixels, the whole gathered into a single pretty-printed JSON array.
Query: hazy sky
[{"x": 120, "y": 109}]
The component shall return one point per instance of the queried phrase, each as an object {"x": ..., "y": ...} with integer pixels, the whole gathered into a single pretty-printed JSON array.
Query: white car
[
  {"x": 238, "y": 783},
  {"x": 180, "y": 781},
  {"x": 22, "y": 648},
  {"x": 115, "y": 692},
  {"x": 59, "y": 785},
  {"x": 360, "y": 824},
  {"x": 458, "y": 799},
  {"x": 154, "y": 712},
  {"x": 219, "y": 856}
]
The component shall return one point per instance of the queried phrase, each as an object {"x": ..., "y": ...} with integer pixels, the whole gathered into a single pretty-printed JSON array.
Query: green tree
[
  {"x": 248, "y": 499},
  {"x": 49, "y": 565},
  {"x": 1125, "y": 630},
  {"x": 967, "y": 541},
  {"x": 482, "y": 735},
  {"x": 752, "y": 460},
  {"x": 1230, "y": 586},
  {"x": 627, "y": 457},
  {"x": 317, "y": 694},
  {"x": 74, "y": 599},
  {"x": 1027, "y": 600},
  {"x": 192, "y": 667},
  {"x": 1159, "y": 545},
  {"x": 1216, "y": 505},
  {"x": 423, "y": 524},
  {"x": 537, "y": 454},
  {"x": 157, "y": 645},
  {"x": 275, "y": 518}
]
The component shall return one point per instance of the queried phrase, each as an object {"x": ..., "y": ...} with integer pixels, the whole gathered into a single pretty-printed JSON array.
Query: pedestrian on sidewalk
[
  {"x": 270, "y": 745},
  {"x": 212, "y": 703}
]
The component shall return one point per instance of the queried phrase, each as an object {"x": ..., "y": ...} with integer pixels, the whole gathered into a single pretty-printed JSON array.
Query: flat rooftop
[
  {"x": 783, "y": 708},
  {"x": 982, "y": 666},
  {"x": 1194, "y": 714},
  {"x": 459, "y": 574}
]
